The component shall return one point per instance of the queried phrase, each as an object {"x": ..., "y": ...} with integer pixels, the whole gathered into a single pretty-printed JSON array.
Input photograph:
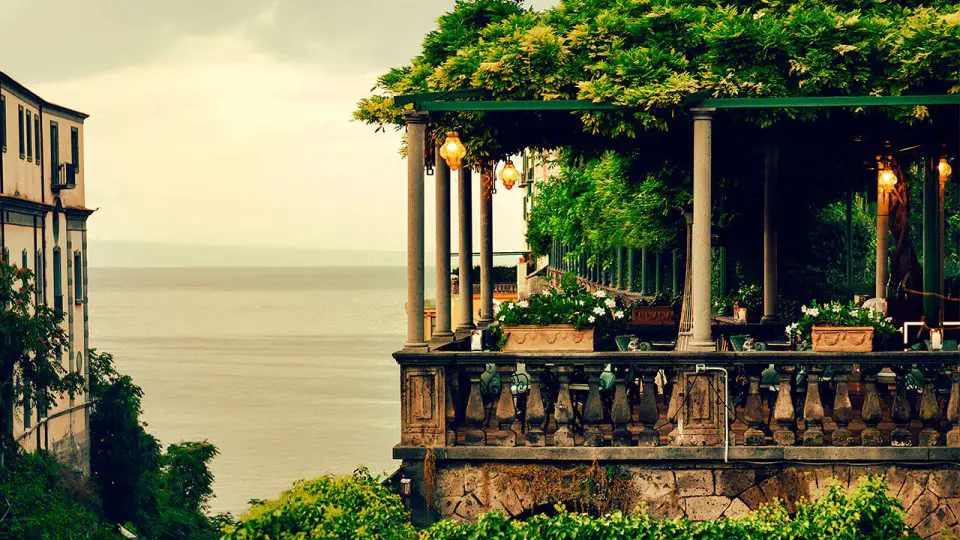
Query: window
[
  {"x": 54, "y": 153},
  {"x": 75, "y": 148},
  {"x": 29, "y": 138},
  {"x": 20, "y": 120},
  {"x": 36, "y": 136},
  {"x": 3, "y": 123},
  {"x": 57, "y": 280},
  {"x": 77, "y": 278}
]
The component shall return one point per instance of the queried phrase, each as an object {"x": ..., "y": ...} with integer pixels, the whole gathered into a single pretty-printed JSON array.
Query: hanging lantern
[
  {"x": 509, "y": 175},
  {"x": 453, "y": 150},
  {"x": 945, "y": 168},
  {"x": 887, "y": 179}
]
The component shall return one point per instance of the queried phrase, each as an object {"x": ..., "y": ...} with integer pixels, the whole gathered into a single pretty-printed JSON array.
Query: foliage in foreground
[
  {"x": 159, "y": 494},
  {"x": 40, "y": 499},
  {"x": 358, "y": 506},
  {"x": 354, "y": 506}
]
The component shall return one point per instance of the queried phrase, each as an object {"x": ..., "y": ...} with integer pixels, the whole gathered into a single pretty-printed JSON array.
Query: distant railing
[
  {"x": 498, "y": 288},
  {"x": 773, "y": 399},
  {"x": 65, "y": 177}
]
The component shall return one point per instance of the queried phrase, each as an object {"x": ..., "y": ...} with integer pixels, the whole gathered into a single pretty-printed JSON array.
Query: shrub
[
  {"x": 37, "y": 501},
  {"x": 354, "y": 506}
]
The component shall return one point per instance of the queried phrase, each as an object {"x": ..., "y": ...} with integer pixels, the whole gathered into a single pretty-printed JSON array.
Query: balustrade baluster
[
  {"x": 593, "y": 411},
  {"x": 673, "y": 408},
  {"x": 953, "y": 409},
  {"x": 842, "y": 414},
  {"x": 563, "y": 410},
  {"x": 620, "y": 413},
  {"x": 900, "y": 436},
  {"x": 929, "y": 413},
  {"x": 647, "y": 413},
  {"x": 871, "y": 413},
  {"x": 536, "y": 415},
  {"x": 450, "y": 409},
  {"x": 784, "y": 412},
  {"x": 813, "y": 412},
  {"x": 506, "y": 412},
  {"x": 753, "y": 415},
  {"x": 475, "y": 414}
]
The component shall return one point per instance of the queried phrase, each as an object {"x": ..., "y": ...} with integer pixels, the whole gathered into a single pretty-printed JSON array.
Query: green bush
[
  {"x": 354, "y": 506},
  {"x": 40, "y": 500}
]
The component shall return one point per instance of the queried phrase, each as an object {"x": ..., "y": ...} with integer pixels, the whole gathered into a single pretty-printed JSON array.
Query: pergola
[{"x": 703, "y": 110}]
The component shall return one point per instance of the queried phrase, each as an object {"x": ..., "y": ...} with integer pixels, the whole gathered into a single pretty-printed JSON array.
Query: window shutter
[
  {"x": 36, "y": 135},
  {"x": 77, "y": 278},
  {"x": 20, "y": 123},
  {"x": 29, "y": 137},
  {"x": 3, "y": 123},
  {"x": 75, "y": 148}
]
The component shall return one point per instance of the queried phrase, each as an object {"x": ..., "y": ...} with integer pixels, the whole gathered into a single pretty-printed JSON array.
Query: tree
[{"x": 32, "y": 342}]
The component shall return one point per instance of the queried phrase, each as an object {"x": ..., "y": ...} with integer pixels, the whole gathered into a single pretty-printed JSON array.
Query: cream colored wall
[
  {"x": 76, "y": 197},
  {"x": 21, "y": 177}
]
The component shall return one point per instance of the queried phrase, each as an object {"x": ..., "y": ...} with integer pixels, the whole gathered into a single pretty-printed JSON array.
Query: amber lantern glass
[
  {"x": 453, "y": 150},
  {"x": 887, "y": 179},
  {"x": 509, "y": 175},
  {"x": 945, "y": 168}
]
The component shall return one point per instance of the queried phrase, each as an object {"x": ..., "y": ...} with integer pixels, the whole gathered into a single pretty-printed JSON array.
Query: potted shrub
[
  {"x": 834, "y": 327},
  {"x": 750, "y": 297},
  {"x": 659, "y": 310},
  {"x": 566, "y": 318}
]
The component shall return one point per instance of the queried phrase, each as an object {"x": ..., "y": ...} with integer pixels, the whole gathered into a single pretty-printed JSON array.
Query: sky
[{"x": 228, "y": 122}]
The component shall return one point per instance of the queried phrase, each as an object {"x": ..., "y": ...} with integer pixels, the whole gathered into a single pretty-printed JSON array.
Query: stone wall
[{"x": 930, "y": 495}]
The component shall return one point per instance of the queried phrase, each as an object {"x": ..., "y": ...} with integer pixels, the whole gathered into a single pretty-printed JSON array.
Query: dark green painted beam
[
  {"x": 520, "y": 105},
  {"x": 434, "y": 96},
  {"x": 829, "y": 101}
]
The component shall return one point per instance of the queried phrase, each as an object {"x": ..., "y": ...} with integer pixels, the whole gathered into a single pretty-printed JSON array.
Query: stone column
[
  {"x": 620, "y": 413},
  {"x": 442, "y": 332},
  {"x": 658, "y": 274},
  {"x": 631, "y": 270},
  {"x": 675, "y": 277},
  {"x": 644, "y": 270},
  {"x": 563, "y": 410},
  {"x": 770, "y": 234},
  {"x": 931, "y": 242},
  {"x": 930, "y": 413},
  {"x": 871, "y": 412},
  {"x": 647, "y": 412},
  {"x": 753, "y": 415},
  {"x": 702, "y": 338},
  {"x": 883, "y": 237},
  {"x": 465, "y": 325},
  {"x": 783, "y": 412},
  {"x": 416, "y": 130},
  {"x": 486, "y": 248},
  {"x": 842, "y": 414},
  {"x": 813, "y": 412}
]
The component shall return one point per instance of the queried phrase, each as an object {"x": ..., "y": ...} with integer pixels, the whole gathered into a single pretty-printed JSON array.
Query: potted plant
[
  {"x": 660, "y": 310},
  {"x": 750, "y": 298},
  {"x": 561, "y": 319},
  {"x": 834, "y": 327}
]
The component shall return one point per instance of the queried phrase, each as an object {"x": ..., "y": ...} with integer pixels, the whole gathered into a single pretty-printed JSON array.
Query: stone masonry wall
[{"x": 930, "y": 495}]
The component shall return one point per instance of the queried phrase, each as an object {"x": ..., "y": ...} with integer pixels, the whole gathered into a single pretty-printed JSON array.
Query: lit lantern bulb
[
  {"x": 945, "y": 168},
  {"x": 887, "y": 180},
  {"x": 453, "y": 150},
  {"x": 509, "y": 175}
]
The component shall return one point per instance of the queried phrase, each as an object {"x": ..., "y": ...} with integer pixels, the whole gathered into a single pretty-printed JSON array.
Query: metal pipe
[{"x": 702, "y": 368}]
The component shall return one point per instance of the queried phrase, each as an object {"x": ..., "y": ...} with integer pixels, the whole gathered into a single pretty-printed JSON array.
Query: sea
[{"x": 288, "y": 371}]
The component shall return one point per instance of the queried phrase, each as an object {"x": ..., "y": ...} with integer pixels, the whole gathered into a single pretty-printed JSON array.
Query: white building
[{"x": 43, "y": 227}]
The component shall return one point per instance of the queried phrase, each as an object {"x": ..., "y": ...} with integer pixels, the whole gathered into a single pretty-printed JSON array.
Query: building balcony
[{"x": 65, "y": 178}]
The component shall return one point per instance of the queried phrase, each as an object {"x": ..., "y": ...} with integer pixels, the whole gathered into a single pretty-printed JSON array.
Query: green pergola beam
[
  {"x": 517, "y": 105},
  {"x": 827, "y": 101},
  {"x": 446, "y": 102}
]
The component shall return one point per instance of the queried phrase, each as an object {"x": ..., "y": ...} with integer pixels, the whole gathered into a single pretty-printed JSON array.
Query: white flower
[
  {"x": 805, "y": 310},
  {"x": 599, "y": 310},
  {"x": 618, "y": 314},
  {"x": 580, "y": 302},
  {"x": 497, "y": 306},
  {"x": 813, "y": 312},
  {"x": 610, "y": 303},
  {"x": 600, "y": 293},
  {"x": 502, "y": 318},
  {"x": 854, "y": 312},
  {"x": 591, "y": 319},
  {"x": 524, "y": 304}
]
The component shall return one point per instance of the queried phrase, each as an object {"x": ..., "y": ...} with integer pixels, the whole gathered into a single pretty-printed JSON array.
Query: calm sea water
[{"x": 286, "y": 370}]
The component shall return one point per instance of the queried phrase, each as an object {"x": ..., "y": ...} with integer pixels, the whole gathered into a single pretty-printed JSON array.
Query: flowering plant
[
  {"x": 836, "y": 314},
  {"x": 568, "y": 303}
]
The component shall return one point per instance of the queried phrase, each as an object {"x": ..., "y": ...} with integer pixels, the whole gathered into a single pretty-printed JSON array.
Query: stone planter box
[
  {"x": 552, "y": 338},
  {"x": 842, "y": 339},
  {"x": 652, "y": 315}
]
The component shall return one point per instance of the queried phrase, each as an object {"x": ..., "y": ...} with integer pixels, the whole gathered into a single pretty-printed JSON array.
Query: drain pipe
[{"x": 702, "y": 368}]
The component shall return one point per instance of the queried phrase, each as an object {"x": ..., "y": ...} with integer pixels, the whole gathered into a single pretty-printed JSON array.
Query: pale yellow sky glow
[{"x": 223, "y": 134}]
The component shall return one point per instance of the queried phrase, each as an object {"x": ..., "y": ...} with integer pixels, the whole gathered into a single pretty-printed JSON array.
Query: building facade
[{"x": 43, "y": 227}]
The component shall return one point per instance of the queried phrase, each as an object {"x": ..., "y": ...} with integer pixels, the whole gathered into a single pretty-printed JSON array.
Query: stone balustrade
[{"x": 623, "y": 400}]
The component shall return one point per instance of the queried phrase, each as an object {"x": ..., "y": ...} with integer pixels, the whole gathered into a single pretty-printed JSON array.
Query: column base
[
  {"x": 483, "y": 323},
  {"x": 769, "y": 319},
  {"x": 464, "y": 332},
  {"x": 416, "y": 345},
  {"x": 703, "y": 346},
  {"x": 441, "y": 338}
]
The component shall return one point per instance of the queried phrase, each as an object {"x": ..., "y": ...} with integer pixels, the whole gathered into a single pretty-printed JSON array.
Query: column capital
[
  {"x": 703, "y": 113},
  {"x": 416, "y": 117}
]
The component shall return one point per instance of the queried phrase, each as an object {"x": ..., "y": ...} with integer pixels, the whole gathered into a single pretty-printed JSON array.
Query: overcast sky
[{"x": 227, "y": 122}]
